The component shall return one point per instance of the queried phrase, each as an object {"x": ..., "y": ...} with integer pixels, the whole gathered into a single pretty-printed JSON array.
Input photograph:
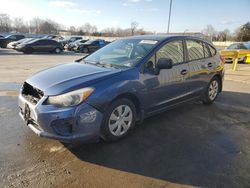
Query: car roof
[{"x": 166, "y": 37}]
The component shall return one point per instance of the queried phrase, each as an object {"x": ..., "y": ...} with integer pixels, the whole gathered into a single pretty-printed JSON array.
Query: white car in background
[{"x": 12, "y": 45}]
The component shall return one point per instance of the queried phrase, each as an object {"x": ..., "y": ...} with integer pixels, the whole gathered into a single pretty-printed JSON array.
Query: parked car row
[
  {"x": 51, "y": 43},
  {"x": 78, "y": 44},
  {"x": 70, "y": 46},
  {"x": 4, "y": 41}
]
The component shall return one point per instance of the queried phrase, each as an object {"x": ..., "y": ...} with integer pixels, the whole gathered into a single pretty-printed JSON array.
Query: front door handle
[{"x": 184, "y": 72}]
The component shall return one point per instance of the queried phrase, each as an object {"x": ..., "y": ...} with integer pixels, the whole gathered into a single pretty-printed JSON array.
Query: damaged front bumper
[{"x": 69, "y": 124}]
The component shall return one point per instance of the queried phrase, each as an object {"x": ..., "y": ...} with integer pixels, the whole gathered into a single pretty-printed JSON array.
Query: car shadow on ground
[{"x": 192, "y": 144}]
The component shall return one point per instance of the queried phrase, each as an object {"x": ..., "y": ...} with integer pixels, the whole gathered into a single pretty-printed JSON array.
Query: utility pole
[{"x": 169, "y": 16}]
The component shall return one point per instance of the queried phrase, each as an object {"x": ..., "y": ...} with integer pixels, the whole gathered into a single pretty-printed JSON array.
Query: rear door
[
  {"x": 47, "y": 45},
  {"x": 37, "y": 45},
  {"x": 96, "y": 45},
  {"x": 40, "y": 46},
  {"x": 19, "y": 37},
  {"x": 201, "y": 66}
]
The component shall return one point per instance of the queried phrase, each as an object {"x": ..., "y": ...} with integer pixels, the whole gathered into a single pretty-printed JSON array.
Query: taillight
[{"x": 222, "y": 59}]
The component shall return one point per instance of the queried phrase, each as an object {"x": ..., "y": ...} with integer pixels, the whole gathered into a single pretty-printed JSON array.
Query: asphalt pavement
[{"x": 191, "y": 145}]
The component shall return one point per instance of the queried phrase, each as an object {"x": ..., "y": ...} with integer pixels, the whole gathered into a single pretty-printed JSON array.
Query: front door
[{"x": 169, "y": 86}]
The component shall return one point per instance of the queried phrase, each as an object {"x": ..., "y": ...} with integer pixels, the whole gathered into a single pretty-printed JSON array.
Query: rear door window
[
  {"x": 194, "y": 50},
  {"x": 42, "y": 42},
  {"x": 19, "y": 36},
  {"x": 96, "y": 42}
]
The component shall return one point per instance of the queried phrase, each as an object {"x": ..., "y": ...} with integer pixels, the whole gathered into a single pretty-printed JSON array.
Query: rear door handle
[
  {"x": 184, "y": 72},
  {"x": 210, "y": 65}
]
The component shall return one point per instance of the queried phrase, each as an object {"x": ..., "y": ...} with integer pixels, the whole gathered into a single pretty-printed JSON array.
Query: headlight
[{"x": 70, "y": 99}]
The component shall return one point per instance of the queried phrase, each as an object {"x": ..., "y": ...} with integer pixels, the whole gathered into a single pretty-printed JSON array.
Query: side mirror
[{"x": 164, "y": 63}]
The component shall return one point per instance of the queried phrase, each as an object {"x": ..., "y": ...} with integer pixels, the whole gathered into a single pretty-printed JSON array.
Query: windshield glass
[
  {"x": 238, "y": 46},
  {"x": 247, "y": 45},
  {"x": 123, "y": 52},
  {"x": 89, "y": 42},
  {"x": 8, "y": 36}
]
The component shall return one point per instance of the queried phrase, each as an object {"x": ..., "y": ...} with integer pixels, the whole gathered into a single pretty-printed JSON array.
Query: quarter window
[
  {"x": 172, "y": 50},
  {"x": 195, "y": 50},
  {"x": 206, "y": 50},
  {"x": 212, "y": 50}
]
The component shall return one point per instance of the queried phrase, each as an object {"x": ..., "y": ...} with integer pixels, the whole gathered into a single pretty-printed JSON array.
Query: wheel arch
[
  {"x": 219, "y": 77},
  {"x": 133, "y": 98}
]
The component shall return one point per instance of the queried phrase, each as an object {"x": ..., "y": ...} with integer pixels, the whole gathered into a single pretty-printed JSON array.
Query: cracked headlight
[{"x": 71, "y": 98}]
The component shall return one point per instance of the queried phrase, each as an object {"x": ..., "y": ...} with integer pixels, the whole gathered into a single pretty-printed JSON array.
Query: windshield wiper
[{"x": 98, "y": 63}]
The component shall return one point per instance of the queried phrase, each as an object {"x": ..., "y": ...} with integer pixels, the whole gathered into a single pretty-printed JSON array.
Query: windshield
[
  {"x": 89, "y": 41},
  {"x": 238, "y": 46},
  {"x": 123, "y": 52},
  {"x": 247, "y": 45},
  {"x": 8, "y": 36},
  {"x": 31, "y": 41},
  {"x": 77, "y": 41}
]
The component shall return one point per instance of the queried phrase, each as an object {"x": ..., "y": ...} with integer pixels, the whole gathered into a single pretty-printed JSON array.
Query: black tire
[
  {"x": 28, "y": 51},
  {"x": 209, "y": 98},
  {"x": 85, "y": 50},
  {"x": 57, "y": 50},
  {"x": 106, "y": 133}
]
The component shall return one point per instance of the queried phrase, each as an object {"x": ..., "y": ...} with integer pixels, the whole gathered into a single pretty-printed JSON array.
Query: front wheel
[
  {"x": 212, "y": 91},
  {"x": 118, "y": 120}
]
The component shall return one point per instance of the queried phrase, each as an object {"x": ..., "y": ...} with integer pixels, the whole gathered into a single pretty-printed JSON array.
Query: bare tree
[
  {"x": 133, "y": 27},
  {"x": 209, "y": 31},
  {"x": 88, "y": 29},
  {"x": 5, "y": 23},
  {"x": 224, "y": 35},
  {"x": 48, "y": 27},
  {"x": 72, "y": 30},
  {"x": 109, "y": 32},
  {"x": 19, "y": 25},
  {"x": 243, "y": 33},
  {"x": 35, "y": 25}
]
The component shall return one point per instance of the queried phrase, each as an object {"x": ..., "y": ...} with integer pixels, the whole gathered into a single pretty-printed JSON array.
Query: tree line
[
  {"x": 47, "y": 26},
  {"x": 241, "y": 34}
]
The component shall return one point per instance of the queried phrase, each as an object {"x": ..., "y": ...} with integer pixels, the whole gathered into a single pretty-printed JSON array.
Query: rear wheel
[
  {"x": 57, "y": 50},
  {"x": 85, "y": 50},
  {"x": 212, "y": 91},
  {"x": 118, "y": 120}
]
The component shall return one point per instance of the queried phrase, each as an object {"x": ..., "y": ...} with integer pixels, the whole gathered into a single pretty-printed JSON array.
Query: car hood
[{"x": 68, "y": 77}]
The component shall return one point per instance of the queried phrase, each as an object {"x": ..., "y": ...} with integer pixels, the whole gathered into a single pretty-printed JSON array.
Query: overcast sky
[{"x": 191, "y": 15}]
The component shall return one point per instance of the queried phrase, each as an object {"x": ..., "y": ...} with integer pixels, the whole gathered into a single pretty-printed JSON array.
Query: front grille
[{"x": 30, "y": 93}]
